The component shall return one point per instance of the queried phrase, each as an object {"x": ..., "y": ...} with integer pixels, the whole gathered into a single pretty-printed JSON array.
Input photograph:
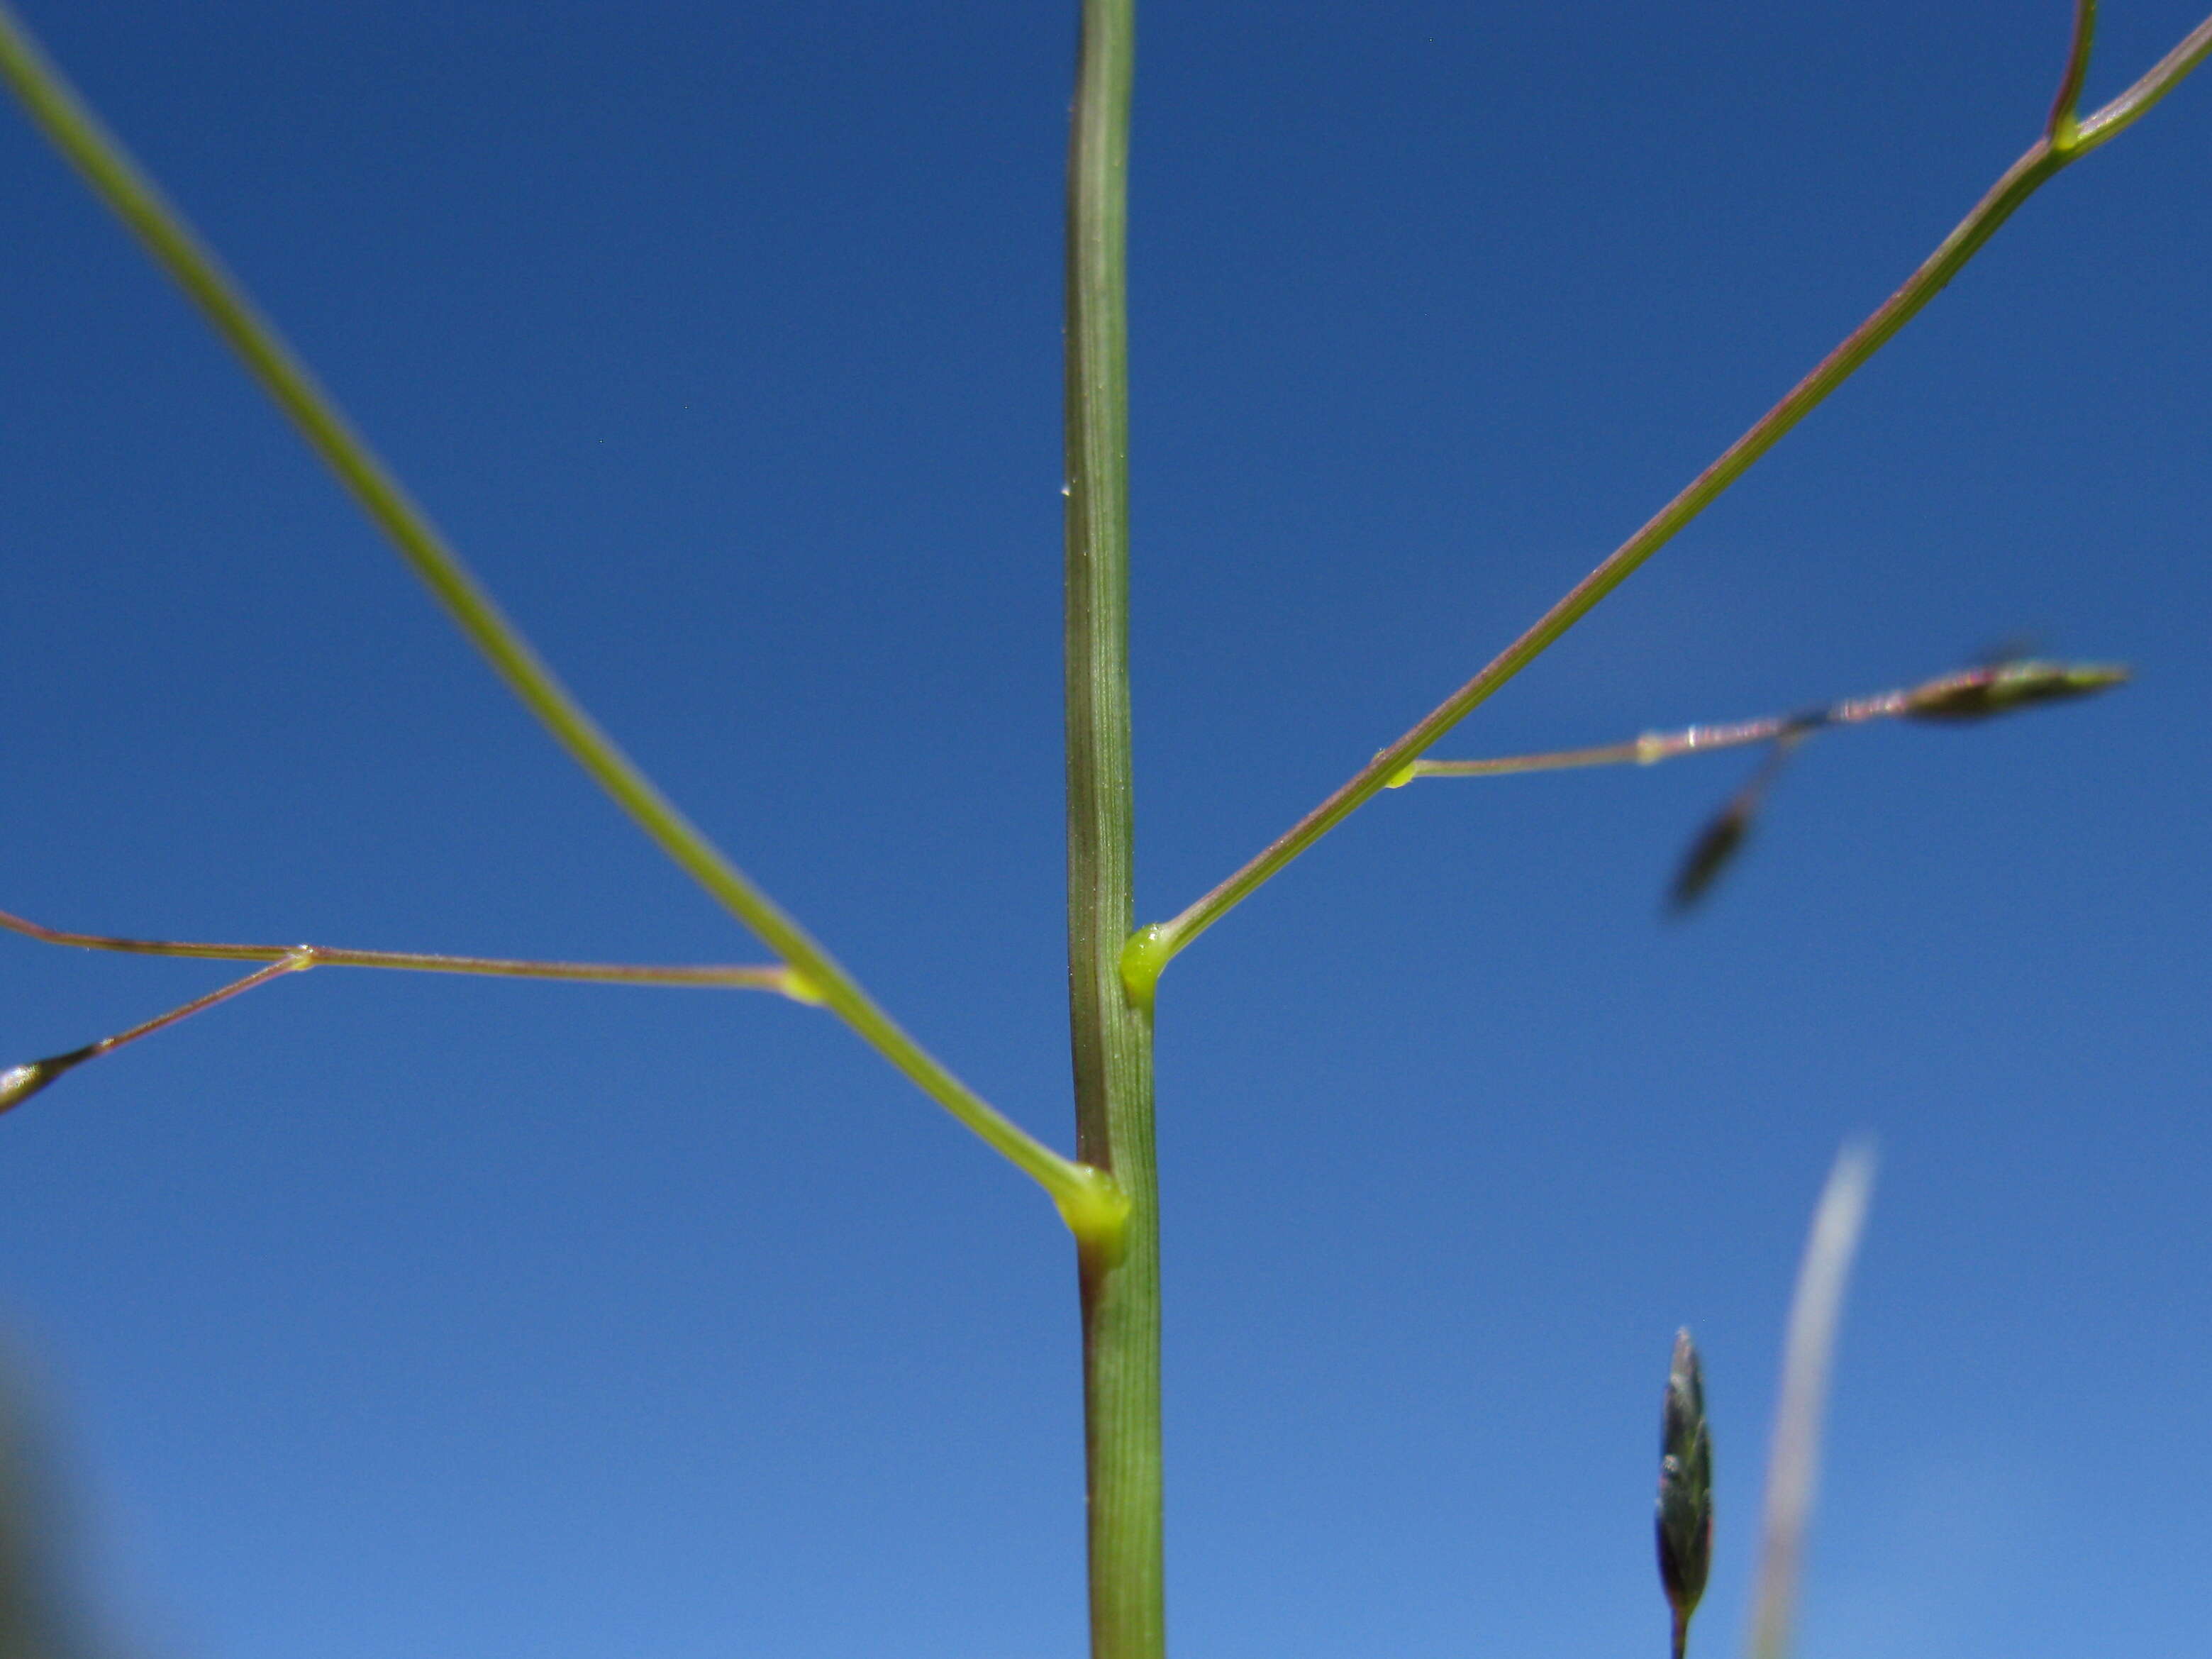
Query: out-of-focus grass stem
[{"x": 1816, "y": 1310}]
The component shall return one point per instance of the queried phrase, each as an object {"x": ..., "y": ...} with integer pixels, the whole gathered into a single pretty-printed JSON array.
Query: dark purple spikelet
[
  {"x": 1715, "y": 847},
  {"x": 1722, "y": 838},
  {"x": 1686, "y": 1489}
]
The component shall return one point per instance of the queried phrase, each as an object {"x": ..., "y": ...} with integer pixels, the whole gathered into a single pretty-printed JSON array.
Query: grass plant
[{"x": 1106, "y": 1189}]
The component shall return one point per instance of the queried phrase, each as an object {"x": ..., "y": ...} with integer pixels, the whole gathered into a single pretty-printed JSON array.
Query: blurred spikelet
[
  {"x": 1712, "y": 852},
  {"x": 1722, "y": 838}
]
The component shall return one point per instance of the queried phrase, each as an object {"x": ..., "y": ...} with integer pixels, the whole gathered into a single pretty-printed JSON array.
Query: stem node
[{"x": 1144, "y": 956}]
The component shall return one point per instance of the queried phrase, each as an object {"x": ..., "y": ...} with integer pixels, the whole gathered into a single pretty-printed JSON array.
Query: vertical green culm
[{"x": 1113, "y": 1039}]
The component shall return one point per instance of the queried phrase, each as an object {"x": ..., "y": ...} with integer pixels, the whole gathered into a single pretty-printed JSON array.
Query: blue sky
[{"x": 391, "y": 1316}]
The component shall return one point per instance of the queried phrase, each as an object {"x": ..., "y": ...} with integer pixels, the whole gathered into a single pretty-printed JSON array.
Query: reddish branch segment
[
  {"x": 19, "y": 1083},
  {"x": 1972, "y": 693}
]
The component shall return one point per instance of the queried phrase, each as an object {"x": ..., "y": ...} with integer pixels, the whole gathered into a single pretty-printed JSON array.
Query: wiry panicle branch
[
  {"x": 1961, "y": 698},
  {"x": 1088, "y": 1199},
  {"x": 2063, "y": 128},
  {"x": 1949, "y": 700},
  {"x": 1958, "y": 699},
  {"x": 766, "y": 977},
  {"x": 19, "y": 1083},
  {"x": 1968, "y": 695},
  {"x": 2064, "y": 141}
]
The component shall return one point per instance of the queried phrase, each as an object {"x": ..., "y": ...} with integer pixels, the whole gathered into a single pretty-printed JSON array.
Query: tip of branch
[
  {"x": 19, "y": 1083},
  {"x": 1980, "y": 693}
]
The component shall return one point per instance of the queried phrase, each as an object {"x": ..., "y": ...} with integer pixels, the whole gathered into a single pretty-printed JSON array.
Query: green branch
[
  {"x": 2062, "y": 125},
  {"x": 1149, "y": 951},
  {"x": 1088, "y": 1199}
]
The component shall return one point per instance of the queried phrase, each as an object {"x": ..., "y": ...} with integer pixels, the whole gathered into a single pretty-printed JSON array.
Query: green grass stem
[{"x": 1112, "y": 1033}]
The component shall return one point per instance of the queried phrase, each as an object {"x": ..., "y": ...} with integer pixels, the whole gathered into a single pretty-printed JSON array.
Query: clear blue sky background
[{"x": 387, "y": 1317}]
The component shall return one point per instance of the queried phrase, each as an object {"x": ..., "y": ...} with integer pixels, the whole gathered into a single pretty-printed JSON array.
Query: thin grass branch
[
  {"x": 1087, "y": 1198},
  {"x": 736, "y": 977},
  {"x": 1151, "y": 949},
  {"x": 1966, "y": 694},
  {"x": 19, "y": 1083},
  {"x": 2138, "y": 101},
  {"x": 2063, "y": 127}
]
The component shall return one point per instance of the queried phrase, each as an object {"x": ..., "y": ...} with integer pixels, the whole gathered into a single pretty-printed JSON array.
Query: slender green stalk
[
  {"x": 1086, "y": 1197},
  {"x": 745, "y": 976},
  {"x": 1150, "y": 951},
  {"x": 1112, "y": 1038}
]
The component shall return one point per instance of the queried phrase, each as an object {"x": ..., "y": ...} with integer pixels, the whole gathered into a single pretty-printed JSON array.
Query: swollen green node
[
  {"x": 1096, "y": 1209},
  {"x": 1144, "y": 956},
  {"x": 1404, "y": 775},
  {"x": 801, "y": 989}
]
